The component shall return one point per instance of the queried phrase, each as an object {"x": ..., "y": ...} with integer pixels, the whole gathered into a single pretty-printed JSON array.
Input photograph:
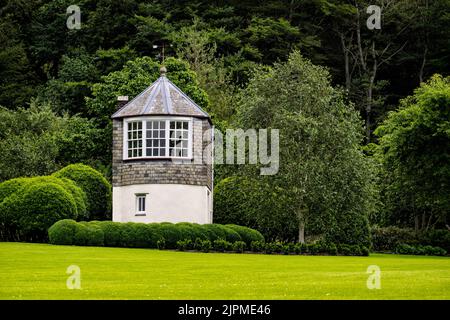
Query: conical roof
[{"x": 162, "y": 97}]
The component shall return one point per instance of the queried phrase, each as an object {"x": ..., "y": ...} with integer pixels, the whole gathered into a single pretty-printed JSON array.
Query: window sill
[{"x": 140, "y": 214}]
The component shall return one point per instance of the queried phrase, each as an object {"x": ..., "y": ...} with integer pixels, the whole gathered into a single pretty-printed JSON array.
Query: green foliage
[
  {"x": 386, "y": 239},
  {"x": 247, "y": 235},
  {"x": 238, "y": 246},
  {"x": 257, "y": 246},
  {"x": 323, "y": 172},
  {"x": 9, "y": 187},
  {"x": 413, "y": 150},
  {"x": 221, "y": 245},
  {"x": 254, "y": 203},
  {"x": 35, "y": 141},
  {"x": 420, "y": 250},
  {"x": 184, "y": 245},
  {"x": 63, "y": 232},
  {"x": 206, "y": 245},
  {"x": 95, "y": 186},
  {"x": 28, "y": 213}
]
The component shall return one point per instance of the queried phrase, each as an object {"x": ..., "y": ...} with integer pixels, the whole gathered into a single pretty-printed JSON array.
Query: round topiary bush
[
  {"x": 171, "y": 233},
  {"x": 112, "y": 233},
  {"x": 62, "y": 232},
  {"x": 79, "y": 196},
  {"x": 29, "y": 212},
  {"x": 8, "y": 187},
  {"x": 95, "y": 186},
  {"x": 247, "y": 235}
]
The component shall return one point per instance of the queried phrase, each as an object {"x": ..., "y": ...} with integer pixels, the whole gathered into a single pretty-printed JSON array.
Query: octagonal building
[{"x": 162, "y": 157}]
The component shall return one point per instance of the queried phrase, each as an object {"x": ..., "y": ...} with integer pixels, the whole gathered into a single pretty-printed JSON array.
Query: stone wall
[{"x": 189, "y": 172}]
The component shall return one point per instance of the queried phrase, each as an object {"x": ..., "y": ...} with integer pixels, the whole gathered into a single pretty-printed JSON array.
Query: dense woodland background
[{"x": 57, "y": 90}]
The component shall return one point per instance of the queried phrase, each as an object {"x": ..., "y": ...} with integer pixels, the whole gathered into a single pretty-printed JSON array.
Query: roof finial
[{"x": 162, "y": 71}]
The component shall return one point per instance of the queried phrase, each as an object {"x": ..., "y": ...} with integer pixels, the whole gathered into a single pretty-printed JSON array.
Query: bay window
[{"x": 158, "y": 138}]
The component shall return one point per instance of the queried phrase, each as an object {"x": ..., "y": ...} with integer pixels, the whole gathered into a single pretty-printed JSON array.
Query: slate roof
[{"x": 162, "y": 97}]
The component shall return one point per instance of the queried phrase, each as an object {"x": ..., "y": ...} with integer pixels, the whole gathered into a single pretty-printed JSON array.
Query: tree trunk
[
  {"x": 416, "y": 223},
  {"x": 346, "y": 63},
  {"x": 302, "y": 215},
  {"x": 422, "y": 67}
]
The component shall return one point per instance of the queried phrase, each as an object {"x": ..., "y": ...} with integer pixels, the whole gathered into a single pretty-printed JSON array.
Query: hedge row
[
  {"x": 142, "y": 235},
  {"x": 420, "y": 250},
  {"x": 388, "y": 238},
  {"x": 29, "y": 206},
  {"x": 221, "y": 245}
]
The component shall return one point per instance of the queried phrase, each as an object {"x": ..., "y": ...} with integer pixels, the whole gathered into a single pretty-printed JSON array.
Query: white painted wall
[{"x": 164, "y": 203}]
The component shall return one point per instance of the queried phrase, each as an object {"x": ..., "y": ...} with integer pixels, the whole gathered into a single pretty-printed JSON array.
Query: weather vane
[{"x": 162, "y": 46}]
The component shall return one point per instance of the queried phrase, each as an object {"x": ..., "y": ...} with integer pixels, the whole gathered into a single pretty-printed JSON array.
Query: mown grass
[{"x": 38, "y": 271}]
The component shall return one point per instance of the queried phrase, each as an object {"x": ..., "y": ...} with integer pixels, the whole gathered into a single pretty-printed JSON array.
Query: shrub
[
  {"x": 238, "y": 246},
  {"x": 436, "y": 238},
  {"x": 247, "y": 235},
  {"x": 9, "y": 187},
  {"x": 312, "y": 248},
  {"x": 221, "y": 245},
  {"x": 161, "y": 244},
  {"x": 75, "y": 191},
  {"x": 183, "y": 245},
  {"x": 95, "y": 186},
  {"x": 206, "y": 245},
  {"x": 223, "y": 232},
  {"x": 171, "y": 234},
  {"x": 27, "y": 215},
  {"x": 112, "y": 232},
  {"x": 364, "y": 251},
  {"x": 88, "y": 235},
  {"x": 62, "y": 232},
  {"x": 274, "y": 247},
  {"x": 386, "y": 239},
  {"x": 298, "y": 248},
  {"x": 404, "y": 248},
  {"x": 198, "y": 244},
  {"x": 257, "y": 246}
]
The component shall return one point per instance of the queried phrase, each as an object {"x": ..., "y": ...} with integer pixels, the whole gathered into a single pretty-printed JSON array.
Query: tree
[
  {"x": 414, "y": 149},
  {"x": 35, "y": 141},
  {"x": 322, "y": 169}
]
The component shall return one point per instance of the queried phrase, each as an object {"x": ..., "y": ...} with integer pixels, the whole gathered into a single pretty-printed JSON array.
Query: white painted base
[{"x": 164, "y": 203}]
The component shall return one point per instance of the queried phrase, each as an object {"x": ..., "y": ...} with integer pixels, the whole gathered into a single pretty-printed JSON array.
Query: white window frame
[
  {"x": 139, "y": 196},
  {"x": 167, "y": 137}
]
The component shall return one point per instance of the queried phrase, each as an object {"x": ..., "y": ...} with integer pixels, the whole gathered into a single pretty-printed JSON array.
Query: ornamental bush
[
  {"x": 139, "y": 235},
  {"x": 27, "y": 214},
  {"x": 247, "y": 235},
  {"x": 63, "y": 232},
  {"x": 95, "y": 186},
  {"x": 8, "y": 187},
  {"x": 79, "y": 196}
]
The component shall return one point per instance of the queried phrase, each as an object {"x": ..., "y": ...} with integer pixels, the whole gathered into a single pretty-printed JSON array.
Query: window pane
[
  {"x": 155, "y": 152},
  {"x": 184, "y": 153},
  {"x": 185, "y": 125},
  {"x": 162, "y": 143},
  {"x": 162, "y": 152},
  {"x": 162, "y": 125},
  {"x": 185, "y": 144}
]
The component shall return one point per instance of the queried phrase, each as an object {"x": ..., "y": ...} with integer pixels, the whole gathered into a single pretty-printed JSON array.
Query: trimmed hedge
[
  {"x": 420, "y": 250},
  {"x": 141, "y": 235},
  {"x": 95, "y": 186},
  {"x": 247, "y": 235}
]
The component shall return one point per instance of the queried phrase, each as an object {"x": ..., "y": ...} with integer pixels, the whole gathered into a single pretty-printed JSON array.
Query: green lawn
[{"x": 38, "y": 271}]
